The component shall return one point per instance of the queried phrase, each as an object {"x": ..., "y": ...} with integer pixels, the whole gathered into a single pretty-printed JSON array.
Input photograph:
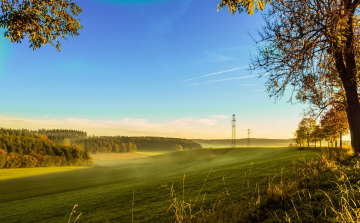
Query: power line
[
  {"x": 248, "y": 141},
  {"x": 233, "y": 136}
]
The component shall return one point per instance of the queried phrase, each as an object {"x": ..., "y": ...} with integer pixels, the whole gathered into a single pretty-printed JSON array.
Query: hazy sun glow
[{"x": 211, "y": 127}]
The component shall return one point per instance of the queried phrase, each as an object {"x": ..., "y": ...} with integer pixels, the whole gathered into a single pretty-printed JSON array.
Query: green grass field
[{"x": 104, "y": 193}]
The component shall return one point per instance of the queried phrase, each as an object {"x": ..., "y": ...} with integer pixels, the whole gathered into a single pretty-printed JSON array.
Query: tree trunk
[
  {"x": 340, "y": 139},
  {"x": 328, "y": 144},
  {"x": 320, "y": 143},
  {"x": 315, "y": 144},
  {"x": 346, "y": 66},
  {"x": 308, "y": 140},
  {"x": 353, "y": 113},
  {"x": 336, "y": 143}
]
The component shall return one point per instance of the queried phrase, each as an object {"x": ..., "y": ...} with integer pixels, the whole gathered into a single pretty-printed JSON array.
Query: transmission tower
[
  {"x": 233, "y": 136},
  {"x": 248, "y": 141}
]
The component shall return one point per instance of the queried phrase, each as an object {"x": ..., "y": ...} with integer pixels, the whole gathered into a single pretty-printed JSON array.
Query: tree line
[
  {"x": 107, "y": 144},
  {"x": 24, "y": 148},
  {"x": 124, "y": 144},
  {"x": 116, "y": 144},
  {"x": 333, "y": 125},
  {"x": 148, "y": 143}
]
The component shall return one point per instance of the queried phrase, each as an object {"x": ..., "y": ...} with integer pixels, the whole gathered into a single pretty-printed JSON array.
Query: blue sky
[{"x": 166, "y": 68}]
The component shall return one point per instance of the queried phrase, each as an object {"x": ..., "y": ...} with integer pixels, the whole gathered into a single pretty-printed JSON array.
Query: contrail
[
  {"x": 227, "y": 79},
  {"x": 234, "y": 78},
  {"x": 214, "y": 73}
]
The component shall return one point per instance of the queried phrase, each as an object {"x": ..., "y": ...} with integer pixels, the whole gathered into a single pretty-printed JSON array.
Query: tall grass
[
  {"x": 186, "y": 211},
  {"x": 326, "y": 189},
  {"x": 72, "y": 212}
]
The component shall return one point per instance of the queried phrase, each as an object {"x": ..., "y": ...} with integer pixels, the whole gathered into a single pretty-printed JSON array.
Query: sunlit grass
[
  {"x": 120, "y": 156},
  {"x": 105, "y": 193},
  {"x": 150, "y": 153},
  {"x": 6, "y": 174}
]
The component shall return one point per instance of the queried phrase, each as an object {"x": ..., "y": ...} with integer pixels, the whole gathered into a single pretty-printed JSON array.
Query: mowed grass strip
[
  {"x": 105, "y": 194},
  {"x": 117, "y": 156},
  {"x": 6, "y": 174}
]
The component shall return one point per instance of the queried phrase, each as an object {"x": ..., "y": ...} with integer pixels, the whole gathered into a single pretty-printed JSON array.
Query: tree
[
  {"x": 335, "y": 124},
  {"x": 309, "y": 125},
  {"x": 311, "y": 46},
  {"x": 300, "y": 135},
  {"x": 116, "y": 148},
  {"x": 177, "y": 147},
  {"x": 2, "y": 158},
  {"x": 317, "y": 135},
  {"x": 65, "y": 142},
  {"x": 132, "y": 147},
  {"x": 240, "y": 5},
  {"x": 123, "y": 148},
  {"x": 41, "y": 21}
]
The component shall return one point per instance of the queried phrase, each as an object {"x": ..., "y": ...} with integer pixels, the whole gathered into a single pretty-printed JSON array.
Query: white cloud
[
  {"x": 211, "y": 127},
  {"x": 207, "y": 121},
  {"x": 188, "y": 127},
  {"x": 220, "y": 116},
  {"x": 78, "y": 120}
]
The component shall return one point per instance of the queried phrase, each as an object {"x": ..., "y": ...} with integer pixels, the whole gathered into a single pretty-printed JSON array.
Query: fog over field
[
  {"x": 254, "y": 142},
  {"x": 105, "y": 192}
]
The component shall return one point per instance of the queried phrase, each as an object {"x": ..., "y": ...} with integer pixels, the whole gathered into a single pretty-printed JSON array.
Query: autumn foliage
[
  {"x": 333, "y": 125},
  {"x": 22, "y": 148}
]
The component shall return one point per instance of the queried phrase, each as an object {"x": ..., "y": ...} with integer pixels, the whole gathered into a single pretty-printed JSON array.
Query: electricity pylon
[
  {"x": 248, "y": 141},
  {"x": 233, "y": 136}
]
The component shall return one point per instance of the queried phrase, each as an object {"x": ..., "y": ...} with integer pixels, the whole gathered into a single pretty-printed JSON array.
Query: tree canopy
[
  {"x": 313, "y": 48},
  {"x": 305, "y": 128},
  {"x": 41, "y": 21},
  {"x": 300, "y": 135},
  {"x": 317, "y": 135},
  {"x": 335, "y": 124},
  {"x": 24, "y": 148},
  {"x": 250, "y": 6}
]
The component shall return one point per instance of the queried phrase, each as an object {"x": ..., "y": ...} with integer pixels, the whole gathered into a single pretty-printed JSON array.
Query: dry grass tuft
[
  {"x": 326, "y": 189},
  {"x": 72, "y": 212}
]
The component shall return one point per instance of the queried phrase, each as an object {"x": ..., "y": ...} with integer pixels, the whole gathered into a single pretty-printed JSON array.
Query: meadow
[{"x": 104, "y": 193}]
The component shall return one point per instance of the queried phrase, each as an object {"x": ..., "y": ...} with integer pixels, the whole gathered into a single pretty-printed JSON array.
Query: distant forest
[
  {"x": 21, "y": 142},
  {"x": 117, "y": 144},
  {"x": 24, "y": 148}
]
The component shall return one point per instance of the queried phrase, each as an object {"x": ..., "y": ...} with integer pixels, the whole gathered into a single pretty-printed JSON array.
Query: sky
[{"x": 172, "y": 68}]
